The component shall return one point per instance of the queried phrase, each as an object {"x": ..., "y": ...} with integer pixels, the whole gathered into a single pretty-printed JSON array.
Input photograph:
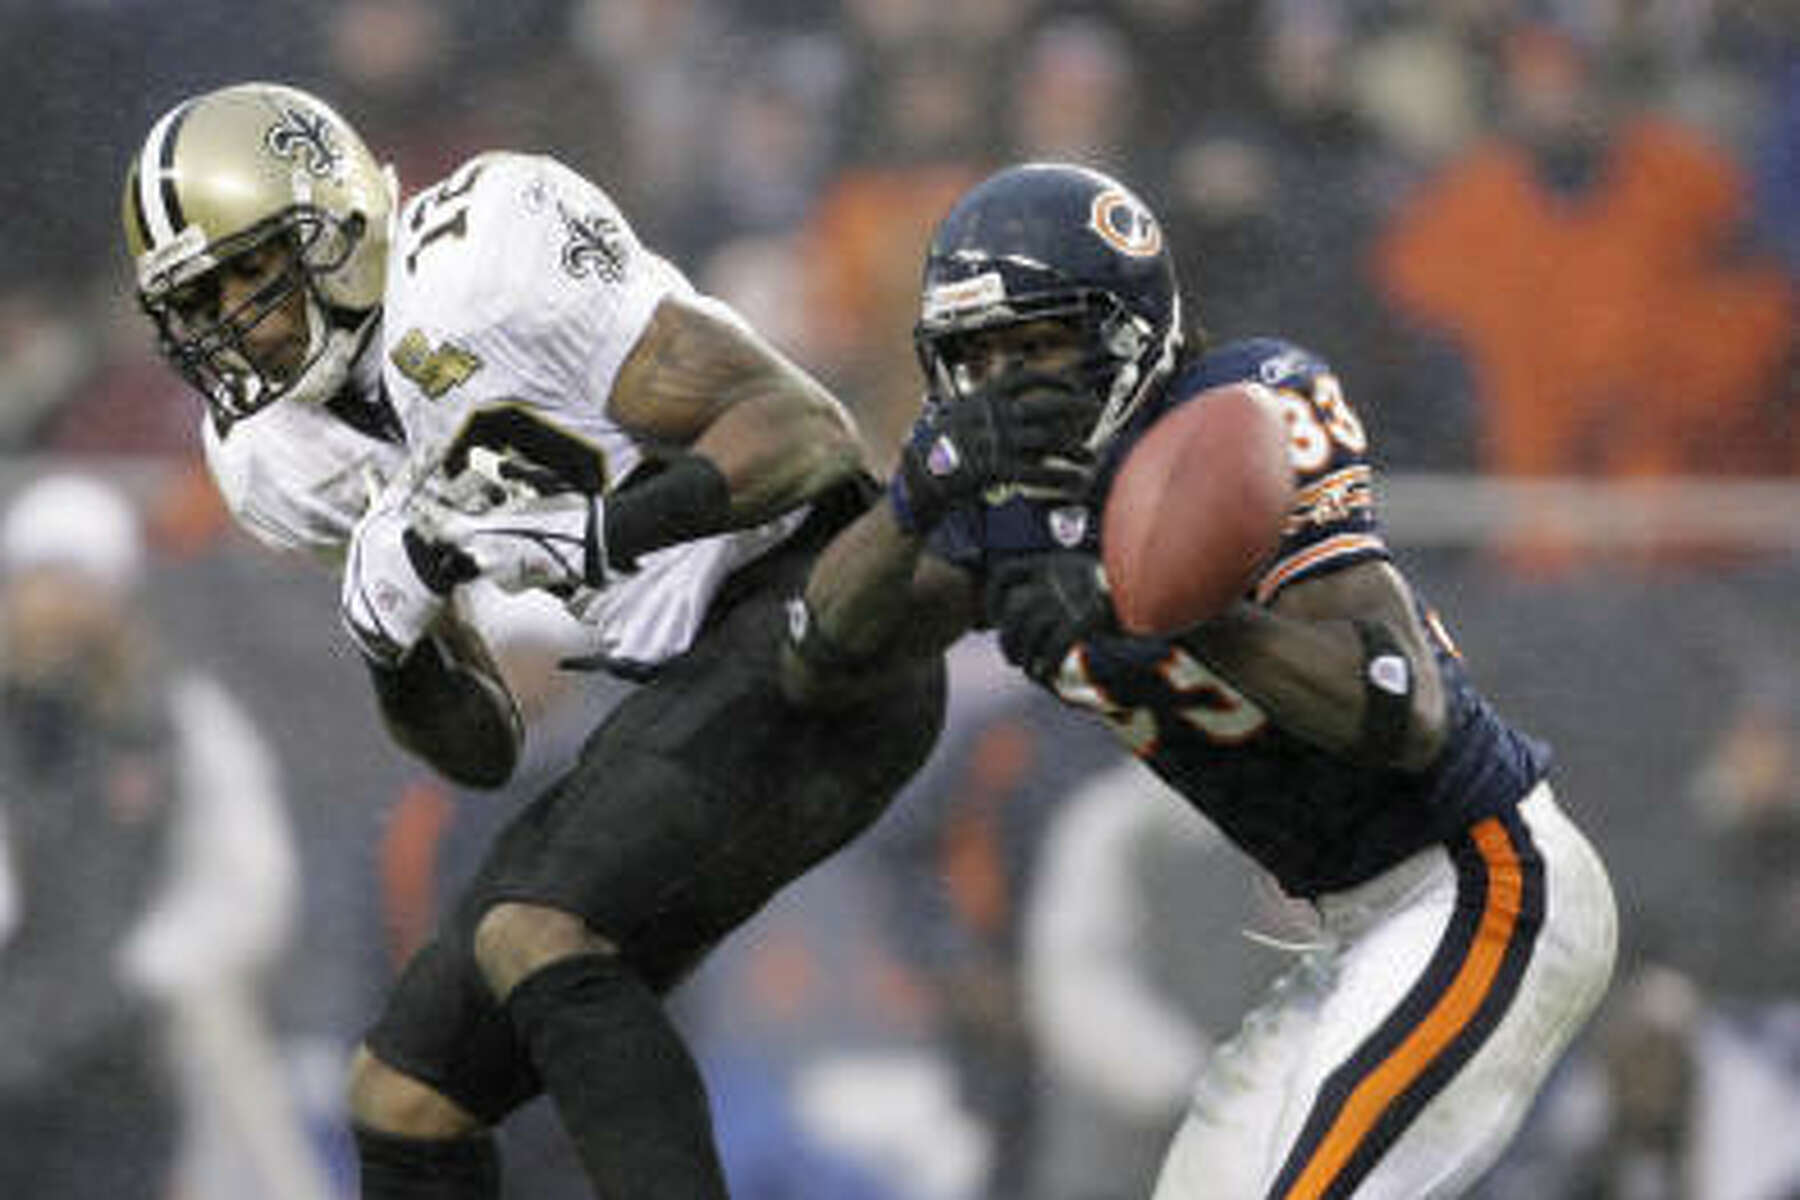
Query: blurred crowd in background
[
  {"x": 1498, "y": 218},
  {"x": 1538, "y": 239}
]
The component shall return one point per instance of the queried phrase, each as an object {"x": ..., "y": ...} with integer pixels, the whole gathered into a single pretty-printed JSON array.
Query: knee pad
[
  {"x": 443, "y": 1027},
  {"x": 464, "y": 1168}
]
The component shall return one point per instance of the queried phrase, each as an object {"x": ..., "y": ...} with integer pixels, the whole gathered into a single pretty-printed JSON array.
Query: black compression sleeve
[
  {"x": 627, "y": 1087},
  {"x": 400, "y": 1168},
  {"x": 686, "y": 499}
]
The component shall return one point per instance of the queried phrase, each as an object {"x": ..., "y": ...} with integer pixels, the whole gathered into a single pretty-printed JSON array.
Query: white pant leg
[
  {"x": 1253, "y": 1101},
  {"x": 1226, "y": 1146}
]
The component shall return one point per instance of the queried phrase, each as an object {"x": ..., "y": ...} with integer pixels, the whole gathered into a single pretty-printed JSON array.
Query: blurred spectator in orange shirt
[
  {"x": 1074, "y": 97},
  {"x": 922, "y": 138},
  {"x": 1590, "y": 266}
]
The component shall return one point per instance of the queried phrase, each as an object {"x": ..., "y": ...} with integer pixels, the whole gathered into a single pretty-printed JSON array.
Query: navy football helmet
[{"x": 1054, "y": 241}]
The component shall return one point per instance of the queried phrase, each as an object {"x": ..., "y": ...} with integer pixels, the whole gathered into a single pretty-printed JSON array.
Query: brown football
[{"x": 1197, "y": 509}]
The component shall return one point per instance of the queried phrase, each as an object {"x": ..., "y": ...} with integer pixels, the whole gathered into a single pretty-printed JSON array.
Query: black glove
[
  {"x": 1044, "y": 604},
  {"x": 1003, "y": 433},
  {"x": 439, "y": 565}
]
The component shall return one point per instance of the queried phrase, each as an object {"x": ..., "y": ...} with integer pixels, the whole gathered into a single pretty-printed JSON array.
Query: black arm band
[
  {"x": 684, "y": 500},
  {"x": 1387, "y": 676}
]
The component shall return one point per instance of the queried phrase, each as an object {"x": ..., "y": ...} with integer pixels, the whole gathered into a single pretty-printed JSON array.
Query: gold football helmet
[{"x": 241, "y": 170}]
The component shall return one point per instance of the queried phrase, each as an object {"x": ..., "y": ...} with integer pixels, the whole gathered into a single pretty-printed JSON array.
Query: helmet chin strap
[
  {"x": 1121, "y": 402},
  {"x": 331, "y": 352},
  {"x": 1136, "y": 376}
]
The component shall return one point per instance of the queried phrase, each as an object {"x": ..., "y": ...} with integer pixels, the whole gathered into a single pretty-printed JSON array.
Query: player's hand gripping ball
[{"x": 1197, "y": 509}]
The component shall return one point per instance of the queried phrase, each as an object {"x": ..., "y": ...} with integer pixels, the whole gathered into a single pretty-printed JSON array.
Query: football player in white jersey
[{"x": 496, "y": 385}]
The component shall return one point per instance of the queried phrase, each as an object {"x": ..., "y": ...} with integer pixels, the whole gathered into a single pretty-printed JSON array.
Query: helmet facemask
[
  {"x": 1122, "y": 357},
  {"x": 1143, "y": 359},
  {"x": 211, "y": 349}
]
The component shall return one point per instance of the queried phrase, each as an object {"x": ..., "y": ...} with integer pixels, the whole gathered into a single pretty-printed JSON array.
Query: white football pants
[{"x": 1397, "y": 1060}]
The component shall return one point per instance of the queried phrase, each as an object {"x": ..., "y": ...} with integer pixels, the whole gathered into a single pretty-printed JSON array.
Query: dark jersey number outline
[
  {"x": 452, "y": 225},
  {"x": 552, "y": 459}
]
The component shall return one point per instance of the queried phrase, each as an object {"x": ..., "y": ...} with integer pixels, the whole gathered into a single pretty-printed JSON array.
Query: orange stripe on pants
[{"x": 1447, "y": 1018}]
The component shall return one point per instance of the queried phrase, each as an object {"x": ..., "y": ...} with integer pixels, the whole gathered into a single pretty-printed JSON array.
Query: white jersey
[{"x": 515, "y": 291}]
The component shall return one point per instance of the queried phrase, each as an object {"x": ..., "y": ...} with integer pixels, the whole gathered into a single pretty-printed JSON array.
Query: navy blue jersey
[{"x": 1316, "y": 821}]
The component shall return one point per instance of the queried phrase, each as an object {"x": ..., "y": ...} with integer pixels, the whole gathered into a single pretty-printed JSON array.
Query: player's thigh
[
  {"x": 704, "y": 793},
  {"x": 1450, "y": 1011},
  {"x": 1260, "y": 1093},
  {"x": 1375, "y": 1066},
  {"x": 780, "y": 790}
]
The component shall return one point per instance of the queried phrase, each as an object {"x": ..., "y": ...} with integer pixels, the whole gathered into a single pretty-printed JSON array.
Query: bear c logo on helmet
[{"x": 1125, "y": 224}]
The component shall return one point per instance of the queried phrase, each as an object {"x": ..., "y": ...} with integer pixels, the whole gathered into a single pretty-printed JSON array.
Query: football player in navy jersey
[{"x": 1325, "y": 723}]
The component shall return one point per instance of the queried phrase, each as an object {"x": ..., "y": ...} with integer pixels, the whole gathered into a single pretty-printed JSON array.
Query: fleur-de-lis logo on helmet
[{"x": 304, "y": 138}]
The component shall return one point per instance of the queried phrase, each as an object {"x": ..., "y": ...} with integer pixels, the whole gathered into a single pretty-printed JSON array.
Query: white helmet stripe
[{"x": 156, "y": 198}]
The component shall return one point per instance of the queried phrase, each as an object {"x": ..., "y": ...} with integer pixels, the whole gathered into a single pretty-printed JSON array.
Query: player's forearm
[
  {"x": 876, "y": 591},
  {"x": 702, "y": 380},
  {"x": 1311, "y": 678},
  {"x": 859, "y": 590},
  {"x": 755, "y": 469},
  {"x": 1305, "y": 676},
  {"x": 783, "y": 441},
  {"x": 874, "y": 602}
]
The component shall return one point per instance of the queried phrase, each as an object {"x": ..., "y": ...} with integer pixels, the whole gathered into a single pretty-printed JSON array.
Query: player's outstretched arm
[
  {"x": 874, "y": 602},
  {"x": 875, "y": 598}
]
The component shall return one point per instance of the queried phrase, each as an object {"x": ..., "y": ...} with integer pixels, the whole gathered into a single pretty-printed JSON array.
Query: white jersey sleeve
[
  {"x": 515, "y": 293},
  {"x": 297, "y": 478}
]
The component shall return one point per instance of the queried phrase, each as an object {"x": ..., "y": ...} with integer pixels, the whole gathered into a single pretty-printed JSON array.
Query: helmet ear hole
[{"x": 331, "y": 242}]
